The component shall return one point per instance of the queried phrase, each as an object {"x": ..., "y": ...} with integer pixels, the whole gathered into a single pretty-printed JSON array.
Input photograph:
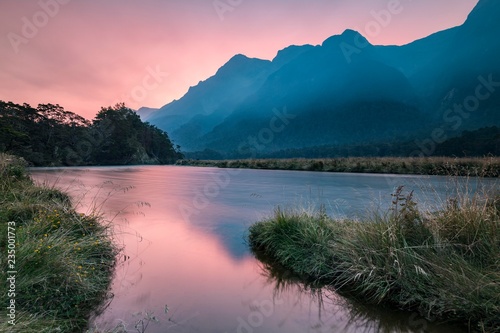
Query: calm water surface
[{"x": 183, "y": 230}]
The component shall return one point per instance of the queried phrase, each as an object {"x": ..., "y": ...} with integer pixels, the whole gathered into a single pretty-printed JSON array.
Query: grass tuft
[
  {"x": 444, "y": 264},
  {"x": 64, "y": 260}
]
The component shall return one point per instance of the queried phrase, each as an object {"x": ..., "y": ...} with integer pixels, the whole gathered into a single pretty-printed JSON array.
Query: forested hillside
[{"x": 48, "y": 135}]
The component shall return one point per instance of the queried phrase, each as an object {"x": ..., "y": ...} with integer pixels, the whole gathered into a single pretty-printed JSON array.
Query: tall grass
[
  {"x": 444, "y": 264},
  {"x": 64, "y": 260},
  {"x": 484, "y": 167}
]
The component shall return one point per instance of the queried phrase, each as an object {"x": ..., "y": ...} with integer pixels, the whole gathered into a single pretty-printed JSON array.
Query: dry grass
[
  {"x": 484, "y": 167},
  {"x": 444, "y": 264}
]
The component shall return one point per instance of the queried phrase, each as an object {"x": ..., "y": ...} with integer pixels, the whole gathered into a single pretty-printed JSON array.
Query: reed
[
  {"x": 483, "y": 167},
  {"x": 444, "y": 264},
  {"x": 64, "y": 260}
]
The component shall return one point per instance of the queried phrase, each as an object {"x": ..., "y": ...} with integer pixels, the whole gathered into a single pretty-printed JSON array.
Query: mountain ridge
[{"x": 403, "y": 90}]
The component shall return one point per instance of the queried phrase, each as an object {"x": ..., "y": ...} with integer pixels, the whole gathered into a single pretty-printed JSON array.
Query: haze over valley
[{"x": 346, "y": 92}]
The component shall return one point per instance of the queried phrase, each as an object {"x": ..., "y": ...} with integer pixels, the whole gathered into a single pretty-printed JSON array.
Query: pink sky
[{"x": 85, "y": 54}]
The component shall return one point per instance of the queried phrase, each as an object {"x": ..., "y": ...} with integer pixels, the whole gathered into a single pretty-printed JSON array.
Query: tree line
[
  {"x": 474, "y": 143},
  {"x": 49, "y": 135}
]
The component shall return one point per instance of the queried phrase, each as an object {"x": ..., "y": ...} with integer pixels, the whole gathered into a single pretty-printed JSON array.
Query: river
[{"x": 185, "y": 259}]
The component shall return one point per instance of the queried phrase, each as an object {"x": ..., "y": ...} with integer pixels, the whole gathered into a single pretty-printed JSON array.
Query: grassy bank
[
  {"x": 445, "y": 264},
  {"x": 485, "y": 167},
  {"x": 63, "y": 260}
]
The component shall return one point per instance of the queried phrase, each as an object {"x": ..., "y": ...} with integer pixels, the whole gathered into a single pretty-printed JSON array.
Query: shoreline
[
  {"x": 443, "y": 265},
  {"x": 488, "y": 167},
  {"x": 61, "y": 262}
]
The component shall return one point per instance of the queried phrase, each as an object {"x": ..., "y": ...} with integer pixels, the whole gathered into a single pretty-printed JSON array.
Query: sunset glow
[{"x": 87, "y": 54}]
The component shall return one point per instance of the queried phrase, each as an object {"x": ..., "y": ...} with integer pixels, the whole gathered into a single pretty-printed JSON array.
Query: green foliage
[
  {"x": 477, "y": 143},
  {"x": 482, "y": 142},
  {"x": 444, "y": 264},
  {"x": 49, "y": 135},
  {"x": 64, "y": 260}
]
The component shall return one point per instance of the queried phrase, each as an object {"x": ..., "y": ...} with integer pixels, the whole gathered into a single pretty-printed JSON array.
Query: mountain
[
  {"x": 146, "y": 112},
  {"x": 412, "y": 58},
  {"x": 345, "y": 91},
  {"x": 470, "y": 59},
  {"x": 324, "y": 93},
  {"x": 207, "y": 104}
]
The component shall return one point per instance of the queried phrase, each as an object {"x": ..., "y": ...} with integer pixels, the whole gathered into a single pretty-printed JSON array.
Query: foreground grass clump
[
  {"x": 64, "y": 260},
  {"x": 444, "y": 264}
]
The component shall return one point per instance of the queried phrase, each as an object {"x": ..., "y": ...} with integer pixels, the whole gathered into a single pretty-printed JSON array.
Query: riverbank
[
  {"x": 444, "y": 166},
  {"x": 59, "y": 263},
  {"x": 445, "y": 265}
]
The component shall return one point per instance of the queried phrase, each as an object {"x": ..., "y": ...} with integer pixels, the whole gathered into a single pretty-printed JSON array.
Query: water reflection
[
  {"x": 338, "y": 313},
  {"x": 198, "y": 263}
]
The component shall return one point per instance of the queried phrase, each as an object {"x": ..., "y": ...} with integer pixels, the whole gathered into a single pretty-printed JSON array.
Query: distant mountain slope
[
  {"x": 145, "y": 113},
  {"x": 376, "y": 94},
  {"x": 412, "y": 58},
  {"x": 330, "y": 99},
  {"x": 472, "y": 58},
  {"x": 208, "y": 103}
]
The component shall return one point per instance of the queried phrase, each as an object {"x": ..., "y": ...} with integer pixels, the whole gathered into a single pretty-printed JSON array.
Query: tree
[
  {"x": 130, "y": 140},
  {"x": 50, "y": 135}
]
